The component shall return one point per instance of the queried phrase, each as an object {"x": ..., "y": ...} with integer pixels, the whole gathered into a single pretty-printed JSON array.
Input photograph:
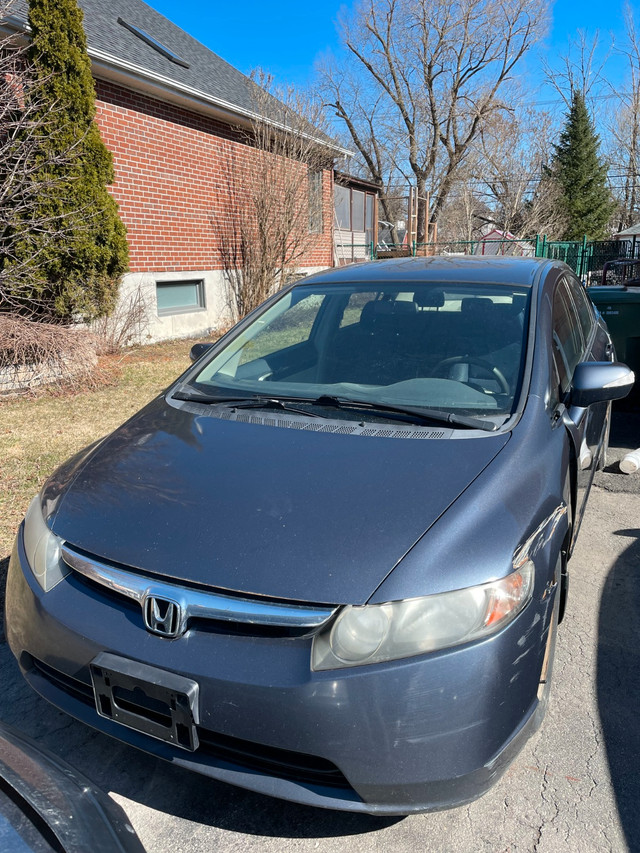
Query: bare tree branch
[
  {"x": 271, "y": 220},
  {"x": 623, "y": 135},
  {"x": 435, "y": 70},
  {"x": 581, "y": 68}
]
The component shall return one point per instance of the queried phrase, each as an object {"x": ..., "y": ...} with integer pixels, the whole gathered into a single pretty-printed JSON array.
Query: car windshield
[{"x": 455, "y": 348}]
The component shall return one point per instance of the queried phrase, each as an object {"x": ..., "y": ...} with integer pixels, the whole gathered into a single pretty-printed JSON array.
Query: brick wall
[{"x": 179, "y": 175}]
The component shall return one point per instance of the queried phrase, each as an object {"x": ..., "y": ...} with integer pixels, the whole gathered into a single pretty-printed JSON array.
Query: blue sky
[{"x": 286, "y": 38}]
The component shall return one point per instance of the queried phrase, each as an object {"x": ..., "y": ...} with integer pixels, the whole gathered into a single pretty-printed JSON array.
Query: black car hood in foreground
[{"x": 271, "y": 511}]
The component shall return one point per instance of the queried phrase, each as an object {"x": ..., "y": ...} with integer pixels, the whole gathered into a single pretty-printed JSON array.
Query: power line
[
  {"x": 508, "y": 176},
  {"x": 488, "y": 182},
  {"x": 561, "y": 100}
]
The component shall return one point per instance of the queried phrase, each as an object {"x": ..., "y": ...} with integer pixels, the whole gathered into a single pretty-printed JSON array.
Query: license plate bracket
[{"x": 147, "y": 699}]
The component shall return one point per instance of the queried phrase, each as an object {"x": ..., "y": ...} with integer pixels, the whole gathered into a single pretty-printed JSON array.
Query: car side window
[
  {"x": 568, "y": 344},
  {"x": 353, "y": 310},
  {"x": 583, "y": 307},
  {"x": 293, "y": 327}
]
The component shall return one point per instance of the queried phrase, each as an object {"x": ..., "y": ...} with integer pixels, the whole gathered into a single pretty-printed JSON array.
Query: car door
[
  {"x": 598, "y": 347},
  {"x": 570, "y": 348}
]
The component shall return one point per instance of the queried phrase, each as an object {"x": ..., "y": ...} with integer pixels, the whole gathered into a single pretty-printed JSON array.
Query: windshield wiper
[
  {"x": 404, "y": 413},
  {"x": 200, "y": 397},
  {"x": 411, "y": 411},
  {"x": 282, "y": 403}
]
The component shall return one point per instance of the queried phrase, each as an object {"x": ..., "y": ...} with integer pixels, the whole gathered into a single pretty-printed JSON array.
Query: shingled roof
[{"x": 118, "y": 53}]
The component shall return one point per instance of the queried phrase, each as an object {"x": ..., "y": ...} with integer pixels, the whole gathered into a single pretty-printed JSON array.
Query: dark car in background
[
  {"x": 47, "y": 806},
  {"x": 329, "y": 562}
]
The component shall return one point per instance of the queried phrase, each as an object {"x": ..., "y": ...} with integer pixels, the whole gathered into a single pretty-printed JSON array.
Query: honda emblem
[{"x": 162, "y": 616}]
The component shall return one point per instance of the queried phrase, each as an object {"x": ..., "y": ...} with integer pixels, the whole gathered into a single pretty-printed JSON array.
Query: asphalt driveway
[{"x": 575, "y": 786}]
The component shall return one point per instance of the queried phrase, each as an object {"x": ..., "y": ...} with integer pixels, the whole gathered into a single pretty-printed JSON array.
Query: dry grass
[{"x": 38, "y": 433}]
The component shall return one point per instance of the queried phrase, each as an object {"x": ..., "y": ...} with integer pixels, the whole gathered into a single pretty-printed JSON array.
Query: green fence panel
[{"x": 586, "y": 258}]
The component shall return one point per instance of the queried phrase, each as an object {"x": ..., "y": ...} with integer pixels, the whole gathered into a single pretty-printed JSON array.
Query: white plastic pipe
[{"x": 630, "y": 463}]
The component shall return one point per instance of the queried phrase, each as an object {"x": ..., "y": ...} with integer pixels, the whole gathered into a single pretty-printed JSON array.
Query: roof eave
[
  {"x": 346, "y": 180},
  {"x": 112, "y": 68},
  {"x": 105, "y": 66},
  {"x": 13, "y": 25}
]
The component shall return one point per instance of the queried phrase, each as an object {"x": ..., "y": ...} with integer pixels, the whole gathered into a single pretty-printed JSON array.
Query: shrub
[{"x": 33, "y": 354}]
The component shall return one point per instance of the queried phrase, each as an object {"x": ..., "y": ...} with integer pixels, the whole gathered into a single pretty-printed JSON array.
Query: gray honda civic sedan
[{"x": 329, "y": 562}]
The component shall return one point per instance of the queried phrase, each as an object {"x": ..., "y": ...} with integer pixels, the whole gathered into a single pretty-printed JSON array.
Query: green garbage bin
[{"x": 620, "y": 307}]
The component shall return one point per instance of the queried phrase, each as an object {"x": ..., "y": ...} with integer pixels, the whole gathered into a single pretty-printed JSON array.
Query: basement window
[
  {"x": 179, "y": 297},
  {"x": 154, "y": 43}
]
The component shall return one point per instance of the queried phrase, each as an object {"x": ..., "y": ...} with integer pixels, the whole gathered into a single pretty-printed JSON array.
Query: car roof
[{"x": 467, "y": 269}]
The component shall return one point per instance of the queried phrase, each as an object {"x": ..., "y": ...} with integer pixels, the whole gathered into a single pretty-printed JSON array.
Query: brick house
[{"x": 175, "y": 116}]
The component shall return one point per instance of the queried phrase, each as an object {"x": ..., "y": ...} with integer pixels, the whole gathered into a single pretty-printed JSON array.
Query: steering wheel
[{"x": 495, "y": 373}]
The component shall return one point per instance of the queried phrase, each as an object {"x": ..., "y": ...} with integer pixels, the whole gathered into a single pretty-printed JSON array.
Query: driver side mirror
[
  {"x": 198, "y": 350},
  {"x": 599, "y": 382}
]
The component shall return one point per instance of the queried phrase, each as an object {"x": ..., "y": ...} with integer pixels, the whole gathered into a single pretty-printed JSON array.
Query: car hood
[{"x": 281, "y": 512}]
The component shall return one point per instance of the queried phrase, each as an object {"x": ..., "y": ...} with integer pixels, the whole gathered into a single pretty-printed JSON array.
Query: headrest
[
  {"x": 381, "y": 309},
  {"x": 427, "y": 297},
  {"x": 476, "y": 305}
]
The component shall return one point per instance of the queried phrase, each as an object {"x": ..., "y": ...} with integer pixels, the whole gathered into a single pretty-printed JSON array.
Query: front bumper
[{"x": 416, "y": 735}]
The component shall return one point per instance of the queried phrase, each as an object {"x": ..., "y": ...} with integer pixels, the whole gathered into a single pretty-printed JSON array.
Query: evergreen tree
[
  {"x": 585, "y": 199},
  {"x": 77, "y": 273}
]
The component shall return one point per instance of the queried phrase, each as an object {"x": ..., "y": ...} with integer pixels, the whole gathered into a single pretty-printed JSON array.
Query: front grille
[
  {"x": 71, "y": 686},
  {"x": 206, "y": 609},
  {"x": 273, "y": 761},
  {"x": 209, "y": 626}
]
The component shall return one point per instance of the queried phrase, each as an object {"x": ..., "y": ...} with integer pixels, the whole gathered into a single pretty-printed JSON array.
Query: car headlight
[
  {"x": 42, "y": 548},
  {"x": 381, "y": 632}
]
